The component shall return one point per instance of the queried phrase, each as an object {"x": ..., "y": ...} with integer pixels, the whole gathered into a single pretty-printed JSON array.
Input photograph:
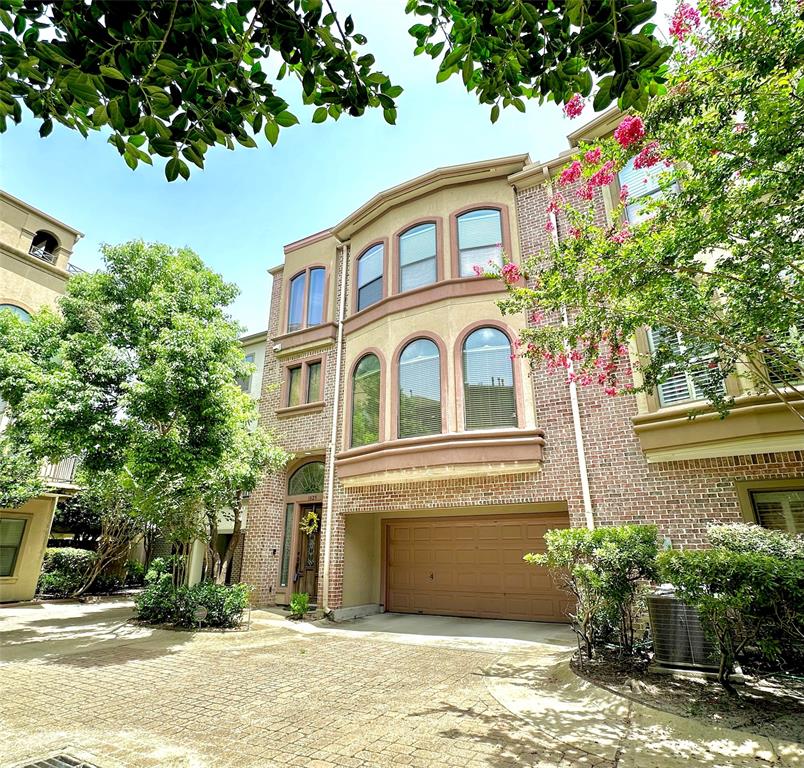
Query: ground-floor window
[
  {"x": 11, "y": 532},
  {"x": 782, "y": 510}
]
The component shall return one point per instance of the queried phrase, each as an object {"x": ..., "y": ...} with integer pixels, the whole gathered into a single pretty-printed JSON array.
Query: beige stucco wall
[
  {"x": 447, "y": 319},
  {"x": 38, "y": 514},
  {"x": 26, "y": 284},
  {"x": 362, "y": 576}
]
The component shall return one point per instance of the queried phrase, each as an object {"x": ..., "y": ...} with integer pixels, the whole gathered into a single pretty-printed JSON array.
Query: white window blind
[
  {"x": 369, "y": 276},
  {"x": 780, "y": 510},
  {"x": 366, "y": 402},
  {"x": 479, "y": 240},
  {"x": 417, "y": 257},
  {"x": 294, "y": 385},
  {"x": 11, "y": 530},
  {"x": 314, "y": 382},
  {"x": 419, "y": 389},
  {"x": 682, "y": 385},
  {"x": 643, "y": 184},
  {"x": 488, "y": 381}
]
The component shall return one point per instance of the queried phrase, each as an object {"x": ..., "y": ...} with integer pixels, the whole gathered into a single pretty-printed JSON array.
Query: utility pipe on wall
[
  {"x": 573, "y": 391},
  {"x": 336, "y": 399}
]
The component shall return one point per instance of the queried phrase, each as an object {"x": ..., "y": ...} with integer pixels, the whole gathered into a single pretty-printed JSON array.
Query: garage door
[{"x": 472, "y": 566}]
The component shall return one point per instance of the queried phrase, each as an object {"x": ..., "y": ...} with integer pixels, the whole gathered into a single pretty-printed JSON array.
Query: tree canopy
[
  {"x": 171, "y": 78},
  {"x": 713, "y": 259}
]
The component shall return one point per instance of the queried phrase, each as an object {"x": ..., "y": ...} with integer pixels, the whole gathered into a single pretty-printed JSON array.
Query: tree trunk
[{"x": 237, "y": 533}]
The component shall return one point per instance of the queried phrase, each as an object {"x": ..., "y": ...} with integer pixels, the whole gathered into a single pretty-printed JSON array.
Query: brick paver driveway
[{"x": 85, "y": 680}]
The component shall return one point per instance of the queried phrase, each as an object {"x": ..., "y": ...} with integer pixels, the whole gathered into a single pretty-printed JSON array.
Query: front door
[{"x": 305, "y": 578}]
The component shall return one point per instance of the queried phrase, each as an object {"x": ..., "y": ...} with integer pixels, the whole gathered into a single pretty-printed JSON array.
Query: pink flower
[
  {"x": 621, "y": 236},
  {"x": 570, "y": 174},
  {"x": 575, "y": 233},
  {"x": 624, "y": 194},
  {"x": 586, "y": 192},
  {"x": 574, "y": 106},
  {"x": 715, "y": 8},
  {"x": 610, "y": 391},
  {"x": 604, "y": 176},
  {"x": 511, "y": 273},
  {"x": 478, "y": 270},
  {"x": 549, "y": 226},
  {"x": 593, "y": 156},
  {"x": 629, "y": 131},
  {"x": 556, "y": 203},
  {"x": 536, "y": 317},
  {"x": 740, "y": 127},
  {"x": 648, "y": 156},
  {"x": 684, "y": 21}
]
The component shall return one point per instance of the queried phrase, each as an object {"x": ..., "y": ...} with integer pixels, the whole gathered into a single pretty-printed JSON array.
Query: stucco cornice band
[{"x": 317, "y": 336}]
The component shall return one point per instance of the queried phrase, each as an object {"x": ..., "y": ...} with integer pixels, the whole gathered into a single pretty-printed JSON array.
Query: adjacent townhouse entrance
[
  {"x": 298, "y": 566},
  {"x": 472, "y": 566}
]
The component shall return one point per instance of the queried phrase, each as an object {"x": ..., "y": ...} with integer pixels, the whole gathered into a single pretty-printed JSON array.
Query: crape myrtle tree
[
  {"x": 717, "y": 257},
  {"x": 137, "y": 374},
  {"x": 172, "y": 78}
]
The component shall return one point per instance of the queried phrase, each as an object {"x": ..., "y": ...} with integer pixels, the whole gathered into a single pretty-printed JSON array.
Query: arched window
[
  {"x": 306, "y": 299},
  {"x": 44, "y": 246},
  {"x": 307, "y": 480},
  {"x": 419, "y": 389},
  {"x": 369, "y": 276},
  {"x": 18, "y": 311},
  {"x": 366, "y": 402},
  {"x": 489, "y": 397},
  {"x": 479, "y": 240},
  {"x": 417, "y": 256}
]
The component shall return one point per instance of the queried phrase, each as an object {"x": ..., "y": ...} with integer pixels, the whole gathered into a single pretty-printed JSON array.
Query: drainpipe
[
  {"x": 336, "y": 400},
  {"x": 573, "y": 391}
]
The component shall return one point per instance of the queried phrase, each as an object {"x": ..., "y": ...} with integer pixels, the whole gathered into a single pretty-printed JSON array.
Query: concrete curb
[{"x": 539, "y": 686}]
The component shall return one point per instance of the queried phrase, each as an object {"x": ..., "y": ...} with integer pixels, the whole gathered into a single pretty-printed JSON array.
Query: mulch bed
[{"x": 768, "y": 704}]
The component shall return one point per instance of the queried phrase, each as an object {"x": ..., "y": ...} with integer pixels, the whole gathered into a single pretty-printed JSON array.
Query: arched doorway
[{"x": 298, "y": 565}]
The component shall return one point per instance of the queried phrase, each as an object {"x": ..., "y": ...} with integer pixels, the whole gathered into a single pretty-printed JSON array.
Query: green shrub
[
  {"x": 299, "y": 604},
  {"x": 161, "y": 603},
  {"x": 750, "y": 538},
  {"x": 158, "y": 567},
  {"x": 135, "y": 573},
  {"x": 742, "y": 597},
  {"x": 63, "y": 570},
  {"x": 605, "y": 570}
]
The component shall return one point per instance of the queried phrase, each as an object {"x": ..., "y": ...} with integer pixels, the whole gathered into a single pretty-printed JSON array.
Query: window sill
[
  {"x": 316, "y": 336},
  {"x": 298, "y": 410},
  {"x": 433, "y": 457},
  {"x": 755, "y": 424}
]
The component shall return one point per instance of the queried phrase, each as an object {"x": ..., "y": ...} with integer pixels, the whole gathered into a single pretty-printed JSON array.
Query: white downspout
[
  {"x": 336, "y": 399},
  {"x": 573, "y": 390}
]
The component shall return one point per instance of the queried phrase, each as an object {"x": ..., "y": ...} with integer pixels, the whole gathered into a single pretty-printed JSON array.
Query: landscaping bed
[{"x": 768, "y": 704}]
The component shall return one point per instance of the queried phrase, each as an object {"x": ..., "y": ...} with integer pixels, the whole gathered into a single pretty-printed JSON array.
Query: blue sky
[{"x": 239, "y": 212}]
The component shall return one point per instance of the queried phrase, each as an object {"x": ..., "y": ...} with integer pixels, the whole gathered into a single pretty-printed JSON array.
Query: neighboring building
[
  {"x": 254, "y": 351},
  {"x": 432, "y": 458},
  {"x": 35, "y": 252}
]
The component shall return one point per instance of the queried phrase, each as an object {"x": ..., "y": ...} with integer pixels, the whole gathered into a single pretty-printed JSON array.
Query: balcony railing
[
  {"x": 73, "y": 270},
  {"x": 60, "y": 472},
  {"x": 40, "y": 253}
]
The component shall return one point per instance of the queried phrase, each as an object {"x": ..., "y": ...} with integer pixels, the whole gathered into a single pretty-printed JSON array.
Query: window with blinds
[
  {"x": 11, "y": 531},
  {"x": 245, "y": 384},
  {"x": 682, "y": 385},
  {"x": 419, "y": 389},
  {"x": 369, "y": 276},
  {"x": 780, "y": 510},
  {"x": 488, "y": 381},
  {"x": 296, "y": 302},
  {"x": 366, "y": 402},
  {"x": 785, "y": 361},
  {"x": 294, "y": 385},
  {"x": 417, "y": 257},
  {"x": 314, "y": 382},
  {"x": 643, "y": 184},
  {"x": 479, "y": 240}
]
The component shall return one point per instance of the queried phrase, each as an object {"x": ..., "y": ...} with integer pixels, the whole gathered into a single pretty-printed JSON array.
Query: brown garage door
[{"x": 472, "y": 566}]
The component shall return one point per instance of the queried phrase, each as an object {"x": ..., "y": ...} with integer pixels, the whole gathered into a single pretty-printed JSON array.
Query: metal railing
[
  {"x": 40, "y": 253},
  {"x": 73, "y": 270},
  {"x": 60, "y": 471}
]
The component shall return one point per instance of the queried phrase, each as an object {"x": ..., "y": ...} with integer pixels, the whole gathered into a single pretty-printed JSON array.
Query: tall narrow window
[
  {"x": 294, "y": 385},
  {"x": 11, "y": 530},
  {"x": 306, "y": 299},
  {"x": 488, "y": 381},
  {"x": 419, "y": 389},
  {"x": 366, "y": 402},
  {"x": 369, "y": 276},
  {"x": 313, "y": 382},
  {"x": 286, "y": 543},
  {"x": 479, "y": 240},
  {"x": 417, "y": 257},
  {"x": 643, "y": 185},
  {"x": 684, "y": 384},
  {"x": 245, "y": 383}
]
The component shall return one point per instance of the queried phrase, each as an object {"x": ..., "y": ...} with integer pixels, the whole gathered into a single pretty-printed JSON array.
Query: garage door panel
[{"x": 473, "y": 567}]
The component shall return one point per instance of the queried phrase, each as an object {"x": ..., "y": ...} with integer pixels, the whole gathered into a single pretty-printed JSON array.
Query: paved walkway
[{"x": 384, "y": 691}]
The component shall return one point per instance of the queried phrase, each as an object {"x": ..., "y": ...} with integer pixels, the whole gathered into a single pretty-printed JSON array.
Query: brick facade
[{"x": 679, "y": 497}]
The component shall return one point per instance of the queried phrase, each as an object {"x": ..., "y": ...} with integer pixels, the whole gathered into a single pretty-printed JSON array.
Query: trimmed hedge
[{"x": 63, "y": 570}]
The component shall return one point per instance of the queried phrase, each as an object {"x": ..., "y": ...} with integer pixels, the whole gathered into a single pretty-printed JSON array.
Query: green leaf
[
  {"x": 81, "y": 86},
  {"x": 495, "y": 113},
  {"x": 115, "y": 115},
  {"x": 390, "y": 116},
  {"x": 320, "y": 115},
  {"x": 45, "y": 128},
  {"x": 111, "y": 72},
  {"x": 172, "y": 169},
  {"x": 272, "y": 132},
  {"x": 286, "y": 119}
]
